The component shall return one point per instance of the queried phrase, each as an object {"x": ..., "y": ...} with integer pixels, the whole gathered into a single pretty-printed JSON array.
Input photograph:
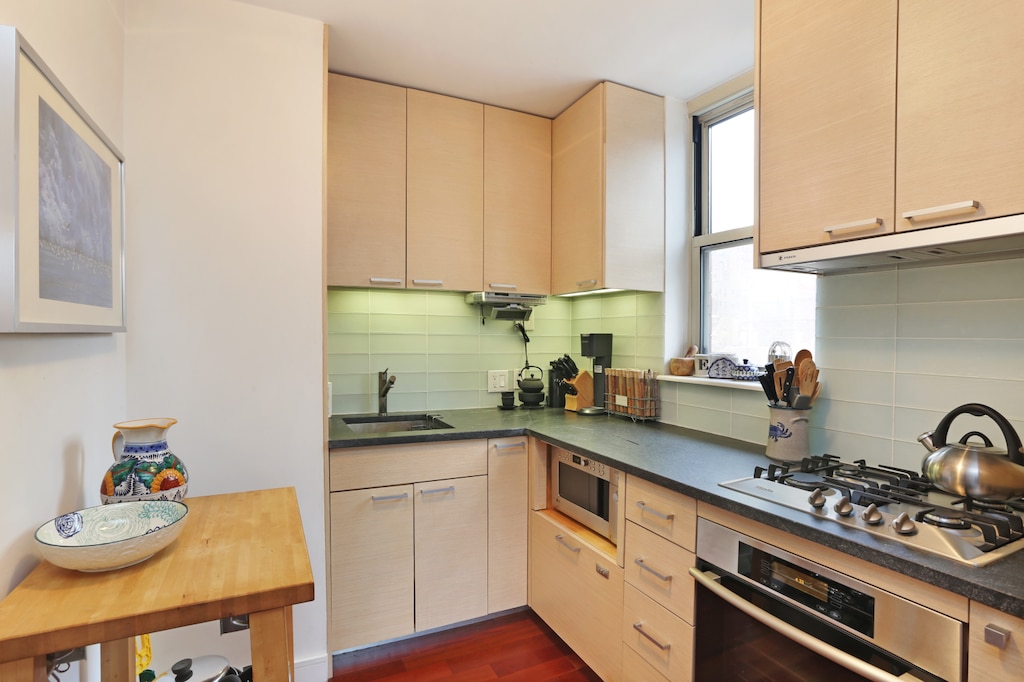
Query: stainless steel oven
[{"x": 765, "y": 614}]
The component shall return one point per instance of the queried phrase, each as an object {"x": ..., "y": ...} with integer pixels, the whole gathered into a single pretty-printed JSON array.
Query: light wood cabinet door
[
  {"x": 371, "y": 565},
  {"x": 990, "y": 662},
  {"x": 959, "y": 134},
  {"x": 451, "y": 551},
  {"x": 517, "y": 202},
  {"x": 578, "y": 593},
  {"x": 444, "y": 225},
  {"x": 660, "y": 569},
  {"x": 826, "y": 106},
  {"x": 662, "y": 639},
  {"x": 380, "y": 465},
  {"x": 608, "y": 192},
  {"x": 365, "y": 183},
  {"x": 507, "y": 507},
  {"x": 670, "y": 514},
  {"x": 577, "y": 195}
]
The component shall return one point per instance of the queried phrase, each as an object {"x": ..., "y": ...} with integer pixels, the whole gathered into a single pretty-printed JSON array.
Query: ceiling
[{"x": 536, "y": 56}]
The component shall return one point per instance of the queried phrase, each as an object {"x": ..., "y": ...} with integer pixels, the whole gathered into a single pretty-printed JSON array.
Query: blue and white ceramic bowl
[{"x": 110, "y": 536}]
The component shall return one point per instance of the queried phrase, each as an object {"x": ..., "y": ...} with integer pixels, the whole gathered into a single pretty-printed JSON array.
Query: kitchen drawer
[
  {"x": 660, "y": 569},
  {"x": 670, "y": 514},
  {"x": 578, "y": 593},
  {"x": 989, "y": 662},
  {"x": 379, "y": 465},
  {"x": 636, "y": 669},
  {"x": 658, "y": 636}
]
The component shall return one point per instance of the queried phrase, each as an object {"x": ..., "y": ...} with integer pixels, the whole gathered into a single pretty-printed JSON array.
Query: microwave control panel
[{"x": 596, "y": 468}]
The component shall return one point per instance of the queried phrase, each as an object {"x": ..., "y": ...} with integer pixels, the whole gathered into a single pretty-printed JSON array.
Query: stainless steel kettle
[{"x": 975, "y": 469}]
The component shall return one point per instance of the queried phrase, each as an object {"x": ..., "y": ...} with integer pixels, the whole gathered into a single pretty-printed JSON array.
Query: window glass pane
[
  {"x": 731, "y": 172},
  {"x": 745, "y": 309}
]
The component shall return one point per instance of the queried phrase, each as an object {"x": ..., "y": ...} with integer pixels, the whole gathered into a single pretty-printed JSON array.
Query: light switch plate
[{"x": 498, "y": 381}]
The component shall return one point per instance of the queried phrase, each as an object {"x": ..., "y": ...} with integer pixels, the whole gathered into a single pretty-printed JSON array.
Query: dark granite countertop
[{"x": 693, "y": 463}]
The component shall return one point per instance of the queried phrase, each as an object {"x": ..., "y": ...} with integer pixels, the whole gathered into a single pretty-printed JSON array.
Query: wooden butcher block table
[{"x": 241, "y": 553}]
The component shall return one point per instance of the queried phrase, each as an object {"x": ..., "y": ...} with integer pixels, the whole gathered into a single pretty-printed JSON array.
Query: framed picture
[{"x": 61, "y": 205}]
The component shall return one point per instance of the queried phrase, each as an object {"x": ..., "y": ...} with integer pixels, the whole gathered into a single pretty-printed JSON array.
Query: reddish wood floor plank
[{"x": 516, "y": 647}]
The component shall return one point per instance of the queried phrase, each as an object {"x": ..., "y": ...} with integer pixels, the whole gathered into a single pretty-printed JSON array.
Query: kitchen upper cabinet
[
  {"x": 608, "y": 192},
  {"x": 444, "y": 227},
  {"x": 517, "y": 202},
  {"x": 826, "y": 108},
  {"x": 864, "y": 133},
  {"x": 959, "y": 133},
  {"x": 365, "y": 183}
]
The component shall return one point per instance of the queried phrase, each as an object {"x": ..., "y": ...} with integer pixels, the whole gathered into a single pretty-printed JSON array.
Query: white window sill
[{"x": 707, "y": 381}]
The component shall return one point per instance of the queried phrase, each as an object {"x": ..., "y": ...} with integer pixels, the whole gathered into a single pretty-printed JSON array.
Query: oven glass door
[{"x": 732, "y": 645}]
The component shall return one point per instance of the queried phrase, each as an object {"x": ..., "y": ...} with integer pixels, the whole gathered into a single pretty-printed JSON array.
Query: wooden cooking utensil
[
  {"x": 817, "y": 390},
  {"x": 808, "y": 376},
  {"x": 801, "y": 355}
]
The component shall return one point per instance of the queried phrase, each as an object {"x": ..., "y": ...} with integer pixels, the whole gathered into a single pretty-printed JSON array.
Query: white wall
[
  {"x": 223, "y": 134},
  {"x": 60, "y": 393}
]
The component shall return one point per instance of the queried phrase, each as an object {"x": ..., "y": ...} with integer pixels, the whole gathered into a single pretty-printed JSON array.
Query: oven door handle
[{"x": 709, "y": 579}]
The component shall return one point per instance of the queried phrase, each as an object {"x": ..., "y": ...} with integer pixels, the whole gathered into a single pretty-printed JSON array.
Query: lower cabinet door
[
  {"x": 660, "y": 637},
  {"x": 371, "y": 565},
  {"x": 451, "y": 551},
  {"x": 578, "y": 593},
  {"x": 636, "y": 669},
  {"x": 996, "y": 645}
]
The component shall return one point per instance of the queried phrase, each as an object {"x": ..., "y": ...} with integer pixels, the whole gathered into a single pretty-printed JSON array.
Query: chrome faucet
[{"x": 384, "y": 384}]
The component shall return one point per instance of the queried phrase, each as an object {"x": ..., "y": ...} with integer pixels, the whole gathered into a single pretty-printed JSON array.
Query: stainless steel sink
[{"x": 395, "y": 422}]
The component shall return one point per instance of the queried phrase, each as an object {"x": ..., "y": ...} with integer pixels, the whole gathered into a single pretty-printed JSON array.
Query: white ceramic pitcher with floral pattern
[{"x": 144, "y": 467}]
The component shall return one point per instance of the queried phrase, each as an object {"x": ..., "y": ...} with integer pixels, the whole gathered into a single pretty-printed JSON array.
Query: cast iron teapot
[
  {"x": 531, "y": 384},
  {"x": 975, "y": 469}
]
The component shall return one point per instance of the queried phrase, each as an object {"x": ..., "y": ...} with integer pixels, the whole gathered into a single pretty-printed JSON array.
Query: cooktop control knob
[
  {"x": 872, "y": 516},
  {"x": 843, "y": 507},
  {"x": 816, "y": 499},
  {"x": 904, "y": 525}
]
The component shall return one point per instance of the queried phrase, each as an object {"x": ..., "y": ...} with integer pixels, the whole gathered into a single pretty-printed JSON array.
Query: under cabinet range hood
[
  {"x": 981, "y": 240},
  {"x": 498, "y": 305}
]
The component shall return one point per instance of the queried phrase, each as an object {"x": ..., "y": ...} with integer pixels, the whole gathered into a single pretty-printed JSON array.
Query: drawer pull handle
[
  {"x": 498, "y": 285},
  {"x": 639, "y": 627},
  {"x": 385, "y": 280},
  {"x": 509, "y": 446},
  {"x": 869, "y": 224},
  {"x": 935, "y": 211},
  {"x": 660, "y": 576},
  {"x": 389, "y": 498},
  {"x": 438, "y": 491},
  {"x": 997, "y": 636},
  {"x": 586, "y": 283},
  {"x": 428, "y": 282},
  {"x": 562, "y": 541},
  {"x": 643, "y": 507}
]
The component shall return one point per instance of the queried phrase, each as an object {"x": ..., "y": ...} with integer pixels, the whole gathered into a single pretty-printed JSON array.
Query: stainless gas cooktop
[{"x": 900, "y": 505}]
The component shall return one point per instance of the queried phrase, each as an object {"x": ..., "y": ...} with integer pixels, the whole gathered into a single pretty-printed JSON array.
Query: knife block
[{"x": 584, "y": 385}]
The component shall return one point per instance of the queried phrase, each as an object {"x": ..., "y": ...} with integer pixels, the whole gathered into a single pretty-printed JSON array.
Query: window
[{"x": 738, "y": 308}]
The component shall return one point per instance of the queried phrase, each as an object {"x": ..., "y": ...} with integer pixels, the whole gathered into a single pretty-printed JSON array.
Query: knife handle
[{"x": 790, "y": 371}]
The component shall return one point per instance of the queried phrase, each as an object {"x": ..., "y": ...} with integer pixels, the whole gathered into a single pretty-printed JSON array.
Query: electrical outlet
[
  {"x": 529, "y": 324},
  {"x": 498, "y": 381}
]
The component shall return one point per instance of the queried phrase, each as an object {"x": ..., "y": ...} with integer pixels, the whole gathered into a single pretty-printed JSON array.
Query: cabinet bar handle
[
  {"x": 868, "y": 224},
  {"x": 498, "y": 285},
  {"x": 429, "y": 282},
  {"x": 640, "y": 562},
  {"x": 933, "y": 211},
  {"x": 386, "y": 498},
  {"x": 639, "y": 627},
  {"x": 997, "y": 636},
  {"x": 385, "y": 280},
  {"x": 586, "y": 283},
  {"x": 643, "y": 506},
  {"x": 562, "y": 541},
  {"x": 438, "y": 491},
  {"x": 508, "y": 446}
]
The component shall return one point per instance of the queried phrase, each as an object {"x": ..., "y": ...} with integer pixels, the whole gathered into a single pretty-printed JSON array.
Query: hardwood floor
[{"x": 516, "y": 647}]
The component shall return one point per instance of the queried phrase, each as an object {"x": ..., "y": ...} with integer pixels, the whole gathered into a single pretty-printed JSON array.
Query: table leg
[
  {"x": 273, "y": 649},
  {"x": 25, "y": 670},
  {"x": 117, "y": 661}
]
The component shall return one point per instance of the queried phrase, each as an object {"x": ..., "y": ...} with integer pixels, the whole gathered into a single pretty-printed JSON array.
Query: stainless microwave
[{"x": 586, "y": 491}]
